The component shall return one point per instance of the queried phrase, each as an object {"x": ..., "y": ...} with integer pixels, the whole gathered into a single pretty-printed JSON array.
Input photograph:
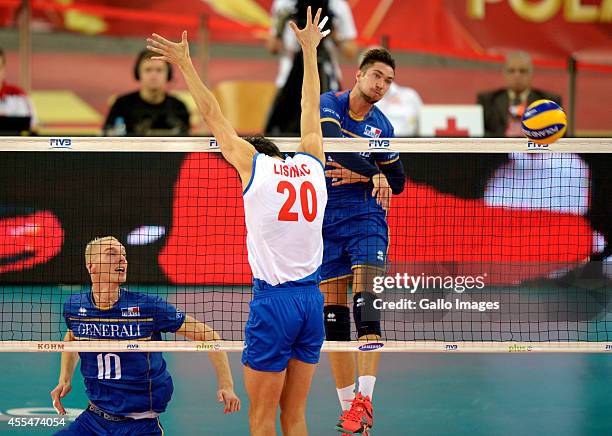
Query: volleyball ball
[{"x": 544, "y": 122}]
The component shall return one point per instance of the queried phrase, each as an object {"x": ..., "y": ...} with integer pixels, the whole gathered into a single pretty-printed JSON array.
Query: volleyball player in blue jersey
[
  {"x": 127, "y": 391},
  {"x": 355, "y": 231}
]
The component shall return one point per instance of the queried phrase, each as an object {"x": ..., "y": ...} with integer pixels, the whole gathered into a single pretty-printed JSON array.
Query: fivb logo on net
[
  {"x": 60, "y": 142},
  {"x": 536, "y": 146},
  {"x": 379, "y": 144}
]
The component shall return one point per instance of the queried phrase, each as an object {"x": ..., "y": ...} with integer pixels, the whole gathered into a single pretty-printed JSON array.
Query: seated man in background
[
  {"x": 16, "y": 109},
  {"x": 503, "y": 108},
  {"x": 150, "y": 111}
]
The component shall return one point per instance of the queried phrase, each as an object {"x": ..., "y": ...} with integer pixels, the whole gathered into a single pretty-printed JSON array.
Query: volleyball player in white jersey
[{"x": 284, "y": 202}]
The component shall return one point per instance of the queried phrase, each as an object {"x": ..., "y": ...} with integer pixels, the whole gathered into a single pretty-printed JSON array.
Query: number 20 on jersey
[{"x": 308, "y": 201}]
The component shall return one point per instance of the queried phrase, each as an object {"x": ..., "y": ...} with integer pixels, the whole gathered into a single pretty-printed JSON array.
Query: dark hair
[
  {"x": 376, "y": 55},
  {"x": 264, "y": 145},
  {"x": 2, "y": 54},
  {"x": 143, "y": 56}
]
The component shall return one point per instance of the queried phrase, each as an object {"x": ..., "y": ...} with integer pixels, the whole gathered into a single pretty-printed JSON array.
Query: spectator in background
[
  {"x": 150, "y": 111},
  {"x": 402, "y": 106},
  {"x": 503, "y": 108},
  {"x": 284, "y": 116},
  {"x": 16, "y": 109}
]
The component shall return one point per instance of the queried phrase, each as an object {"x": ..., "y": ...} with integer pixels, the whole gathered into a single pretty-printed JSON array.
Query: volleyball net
[{"x": 491, "y": 243}]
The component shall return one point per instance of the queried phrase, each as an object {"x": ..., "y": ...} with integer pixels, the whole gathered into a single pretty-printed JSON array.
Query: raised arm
[
  {"x": 238, "y": 152},
  {"x": 309, "y": 38},
  {"x": 198, "y": 331},
  {"x": 64, "y": 385}
]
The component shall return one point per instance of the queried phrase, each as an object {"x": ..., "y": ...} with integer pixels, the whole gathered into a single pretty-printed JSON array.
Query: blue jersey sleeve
[
  {"x": 167, "y": 317},
  {"x": 330, "y": 109}
]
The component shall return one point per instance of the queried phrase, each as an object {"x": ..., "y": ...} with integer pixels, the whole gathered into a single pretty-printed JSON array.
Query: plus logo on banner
[
  {"x": 451, "y": 121},
  {"x": 452, "y": 130}
]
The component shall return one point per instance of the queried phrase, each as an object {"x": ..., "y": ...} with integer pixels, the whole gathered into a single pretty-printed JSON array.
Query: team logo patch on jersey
[
  {"x": 130, "y": 311},
  {"x": 82, "y": 311},
  {"x": 371, "y": 131}
]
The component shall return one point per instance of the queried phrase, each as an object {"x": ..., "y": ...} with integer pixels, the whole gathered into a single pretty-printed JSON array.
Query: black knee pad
[
  {"x": 337, "y": 322},
  {"x": 367, "y": 317}
]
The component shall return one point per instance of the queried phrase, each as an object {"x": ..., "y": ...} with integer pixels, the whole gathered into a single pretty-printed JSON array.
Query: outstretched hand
[
  {"x": 313, "y": 33},
  {"x": 173, "y": 52}
]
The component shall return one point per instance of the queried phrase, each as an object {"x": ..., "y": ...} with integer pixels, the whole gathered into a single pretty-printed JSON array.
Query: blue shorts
[
  {"x": 284, "y": 324},
  {"x": 353, "y": 239},
  {"x": 88, "y": 423}
]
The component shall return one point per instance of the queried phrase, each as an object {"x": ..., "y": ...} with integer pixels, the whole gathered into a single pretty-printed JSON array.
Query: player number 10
[
  {"x": 105, "y": 365},
  {"x": 306, "y": 188}
]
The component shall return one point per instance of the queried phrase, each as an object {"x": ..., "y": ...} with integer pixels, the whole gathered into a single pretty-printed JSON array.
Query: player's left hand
[
  {"x": 382, "y": 191},
  {"x": 342, "y": 175},
  {"x": 313, "y": 33},
  {"x": 175, "y": 53},
  {"x": 230, "y": 400}
]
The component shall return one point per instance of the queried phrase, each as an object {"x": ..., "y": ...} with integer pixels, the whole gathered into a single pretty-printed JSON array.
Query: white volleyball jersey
[{"x": 284, "y": 204}]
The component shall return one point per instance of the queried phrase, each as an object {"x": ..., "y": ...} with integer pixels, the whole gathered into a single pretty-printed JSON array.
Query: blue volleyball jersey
[
  {"x": 335, "y": 108},
  {"x": 124, "y": 383}
]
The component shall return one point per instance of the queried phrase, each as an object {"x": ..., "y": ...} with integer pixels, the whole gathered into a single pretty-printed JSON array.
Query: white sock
[
  {"x": 345, "y": 395},
  {"x": 366, "y": 385}
]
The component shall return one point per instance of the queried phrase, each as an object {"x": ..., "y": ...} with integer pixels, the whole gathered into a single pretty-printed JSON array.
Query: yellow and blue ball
[{"x": 544, "y": 122}]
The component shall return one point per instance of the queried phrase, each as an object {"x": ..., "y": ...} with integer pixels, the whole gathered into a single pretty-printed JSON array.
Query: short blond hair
[{"x": 96, "y": 242}]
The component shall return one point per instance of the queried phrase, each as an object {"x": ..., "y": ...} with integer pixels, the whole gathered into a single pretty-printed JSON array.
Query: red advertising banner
[{"x": 546, "y": 28}]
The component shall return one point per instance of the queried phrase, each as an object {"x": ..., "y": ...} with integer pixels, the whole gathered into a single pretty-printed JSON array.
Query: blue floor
[{"x": 416, "y": 394}]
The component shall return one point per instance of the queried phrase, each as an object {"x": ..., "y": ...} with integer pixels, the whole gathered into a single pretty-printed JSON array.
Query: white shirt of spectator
[
  {"x": 17, "y": 104},
  {"x": 557, "y": 182},
  {"x": 344, "y": 29},
  {"x": 402, "y": 106}
]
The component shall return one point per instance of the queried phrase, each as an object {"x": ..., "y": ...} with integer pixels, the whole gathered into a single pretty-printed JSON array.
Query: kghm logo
[
  {"x": 379, "y": 143},
  {"x": 45, "y": 346},
  {"x": 60, "y": 142},
  {"x": 371, "y": 346}
]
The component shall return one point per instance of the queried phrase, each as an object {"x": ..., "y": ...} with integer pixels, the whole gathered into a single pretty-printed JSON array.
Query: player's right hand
[
  {"x": 231, "y": 402},
  {"x": 173, "y": 52},
  {"x": 312, "y": 34},
  {"x": 382, "y": 191},
  {"x": 60, "y": 391}
]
